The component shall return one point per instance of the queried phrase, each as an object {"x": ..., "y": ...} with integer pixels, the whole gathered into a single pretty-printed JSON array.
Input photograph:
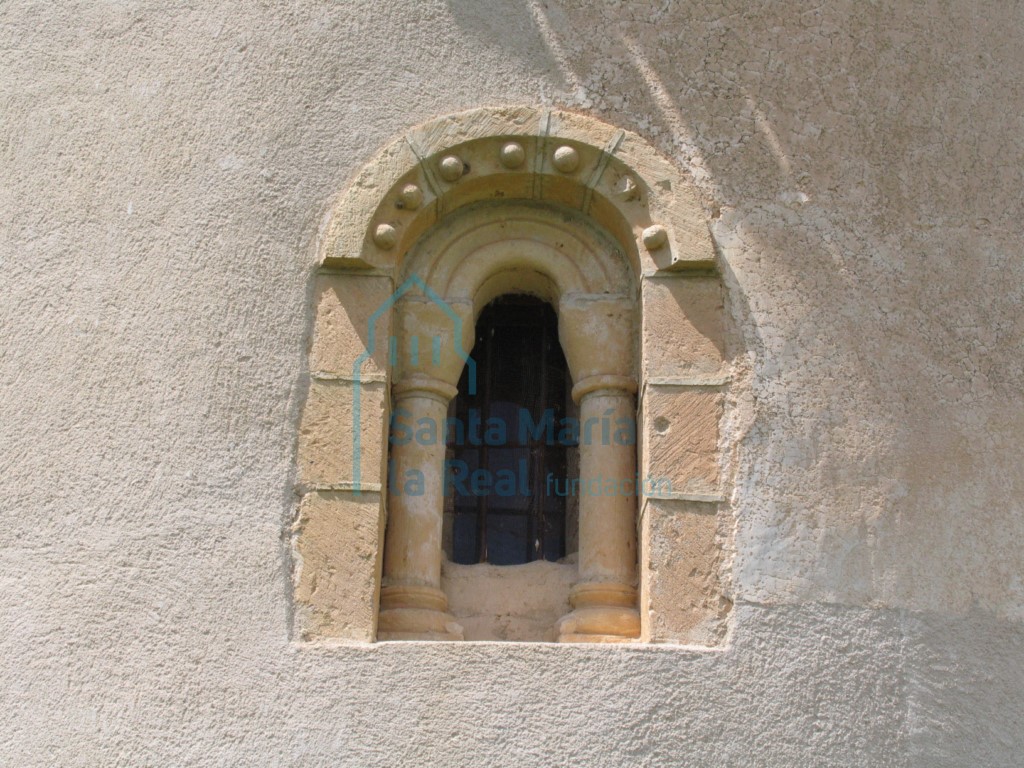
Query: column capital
[
  {"x": 435, "y": 337},
  {"x": 596, "y": 334}
]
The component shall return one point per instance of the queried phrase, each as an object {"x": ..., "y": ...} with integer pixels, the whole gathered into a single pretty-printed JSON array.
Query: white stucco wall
[{"x": 164, "y": 172}]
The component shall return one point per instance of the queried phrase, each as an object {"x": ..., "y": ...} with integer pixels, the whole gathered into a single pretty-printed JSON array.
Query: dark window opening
[{"x": 506, "y": 500}]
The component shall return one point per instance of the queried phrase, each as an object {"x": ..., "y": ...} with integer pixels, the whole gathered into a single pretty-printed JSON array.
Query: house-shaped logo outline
[{"x": 414, "y": 281}]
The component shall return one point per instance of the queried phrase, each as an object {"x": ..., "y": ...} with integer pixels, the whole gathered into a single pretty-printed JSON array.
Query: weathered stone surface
[
  {"x": 326, "y": 435},
  {"x": 433, "y": 340},
  {"x": 516, "y": 603},
  {"x": 680, "y": 438},
  {"x": 598, "y": 336},
  {"x": 681, "y": 565},
  {"x": 337, "y": 549},
  {"x": 345, "y": 327},
  {"x": 683, "y": 327},
  {"x": 570, "y": 160},
  {"x": 346, "y": 241}
]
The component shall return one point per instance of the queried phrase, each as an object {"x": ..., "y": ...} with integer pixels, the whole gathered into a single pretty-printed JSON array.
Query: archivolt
[
  {"x": 517, "y": 153},
  {"x": 503, "y": 248}
]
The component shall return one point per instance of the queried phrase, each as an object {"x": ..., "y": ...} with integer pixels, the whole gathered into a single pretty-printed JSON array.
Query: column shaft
[
  {"x": 607, "y": 500},
  {"x": 605, "y": 599},
  {"x": 413, "y": 607}
]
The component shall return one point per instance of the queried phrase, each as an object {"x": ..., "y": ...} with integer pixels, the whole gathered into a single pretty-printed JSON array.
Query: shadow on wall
[
  {"x": 839, "y": 156},
  {"x": 524, "y": 28}
]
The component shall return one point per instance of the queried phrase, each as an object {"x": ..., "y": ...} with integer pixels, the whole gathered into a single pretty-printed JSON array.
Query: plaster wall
[{"x": 166, "y": 168}]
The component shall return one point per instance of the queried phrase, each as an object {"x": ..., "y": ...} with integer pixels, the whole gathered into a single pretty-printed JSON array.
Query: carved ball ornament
[
  {"x": 566, "y": 159},
  {"x": 451, "y": 168},
  {"x": 512, "y": 155}
]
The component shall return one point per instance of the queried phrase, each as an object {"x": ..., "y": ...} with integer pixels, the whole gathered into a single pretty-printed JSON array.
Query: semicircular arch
[{"x": 518, "y": 153}]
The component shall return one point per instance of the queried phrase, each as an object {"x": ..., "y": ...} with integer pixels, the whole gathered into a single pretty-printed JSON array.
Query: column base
[
  {"x": 603, "y": 613},
  {"x": 410, "y": 612}
]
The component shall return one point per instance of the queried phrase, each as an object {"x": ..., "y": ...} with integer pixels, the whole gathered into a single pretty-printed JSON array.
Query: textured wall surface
[{"x": 165, "y": 169}]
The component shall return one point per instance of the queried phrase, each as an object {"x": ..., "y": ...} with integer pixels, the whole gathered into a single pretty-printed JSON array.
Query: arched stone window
[{"x": 462, "y": 211}]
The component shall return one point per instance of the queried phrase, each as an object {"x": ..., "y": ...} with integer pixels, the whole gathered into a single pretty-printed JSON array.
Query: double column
[
  {"x": 430, "y": 354},
  {"x": 597, "y": 336}
]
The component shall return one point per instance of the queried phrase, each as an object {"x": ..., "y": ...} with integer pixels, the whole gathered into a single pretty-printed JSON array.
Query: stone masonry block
[
  {"x": 326, "y": 436},
  {"x": 346, "y": 241},
  {"x": 345, "y": 308},
  {"x": 337, "y": 545},
  {"x": 683, "y": 599},
  {"x": 680, "y": 428},
  {"x": 683, "y": 327}
]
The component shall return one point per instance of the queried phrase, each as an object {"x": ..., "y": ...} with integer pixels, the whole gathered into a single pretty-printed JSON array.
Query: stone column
[
  {"x": 605, "y": 598},
  {"x": 432, "y": 337},
  {"x": 596, "y": 334},
  {"x": 413, "y": 607}
]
